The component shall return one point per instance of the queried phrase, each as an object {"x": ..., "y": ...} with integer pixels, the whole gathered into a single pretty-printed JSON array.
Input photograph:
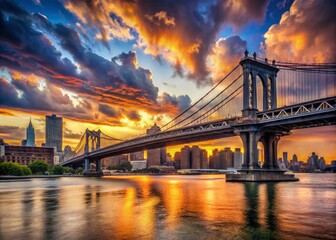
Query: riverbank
[{"x": 3, "y": 178}]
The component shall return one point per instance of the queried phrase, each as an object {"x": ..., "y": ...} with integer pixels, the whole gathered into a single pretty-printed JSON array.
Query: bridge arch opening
[
  {"x": 261, "y": 153},
  {"x": 260, "y": 93},
  {"x": 250, "y": 90},
  {"x": 270, "y": 83}
]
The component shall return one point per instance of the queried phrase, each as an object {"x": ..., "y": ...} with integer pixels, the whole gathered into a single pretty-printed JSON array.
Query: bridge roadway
[{"x": 305, "y": 115}]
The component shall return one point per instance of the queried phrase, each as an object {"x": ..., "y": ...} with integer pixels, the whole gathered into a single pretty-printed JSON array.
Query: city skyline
[{"x": 122, "y": 74}]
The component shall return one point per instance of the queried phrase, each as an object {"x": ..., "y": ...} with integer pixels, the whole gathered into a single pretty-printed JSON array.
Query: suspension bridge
[{"x": 260, "y": 101}]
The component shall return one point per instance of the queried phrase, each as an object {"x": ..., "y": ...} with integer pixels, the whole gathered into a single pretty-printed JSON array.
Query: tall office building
[
  {"x": 135, "y": 156},
  {"x": 228, "y": 157},
  {"x": 177, "y": 160},
  {"x": 195, "y": 157},
  {"x": 30, "y": 135},
  {"x": 155, "y": 157},
  {"x": 285, "y": 159},
  {"x": 214, "y": 159},
  {"x": 237, "y": 159},
  {"x": 53, "y": 133},
  {"x": 185, "y": 158},
  {"x": 204, "y": 159}
]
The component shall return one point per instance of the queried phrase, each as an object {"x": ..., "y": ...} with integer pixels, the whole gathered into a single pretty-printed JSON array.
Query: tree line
[{"x": 38, "y": 167}]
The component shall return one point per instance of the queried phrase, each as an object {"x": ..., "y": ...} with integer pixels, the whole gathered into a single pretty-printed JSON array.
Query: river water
[{"x": 168, "y": 207}]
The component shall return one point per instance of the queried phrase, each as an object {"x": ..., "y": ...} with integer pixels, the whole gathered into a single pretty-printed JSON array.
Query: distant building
[
  {"x": 114, "y": 160},
  {"x": 237, "y": 159},
  {"x": 193, "y": 158},
  {"x": 24, "y": 142},
  {"x": 227, "y": 158},
  {"x": 140, "y": 164},
  {"x": 204, "y": 159},
  {"x": 177, "y": 160},
  {"x": 281, "y": 164},
  {"x": 137, "y": 156},
  {"x": 322, "y": 163},
  {"x": 67, "y": 151},
  {"x": 315, "y": 159},
  {"x": 214, "y": 160},
  {"x": 30, "y": 135},
  {"x": 54, "y": 130},
  {"x": 285, "y": 159},
  {"x": 185, "y": 158},
  {"x": 24, "y": 155},
  {"x": 157, "y": 156}
]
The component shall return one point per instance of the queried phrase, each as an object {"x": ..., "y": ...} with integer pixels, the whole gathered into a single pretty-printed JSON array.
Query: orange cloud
[
  {"x": 306, "y": 33},
  {"x": 183, "y": 34},
  {"x": 226, "y": 54}
]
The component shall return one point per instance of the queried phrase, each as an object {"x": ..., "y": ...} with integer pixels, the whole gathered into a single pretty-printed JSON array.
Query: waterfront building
[
  {"x": 227, "y": 157},
  {"x": 157, "y": 156},
  {"x": 177, "y": 160},
  {"x": 138, "y": 164},
  {"x": 185, "y": 158},
  {"x": 114, "y": 160},
  {"x": 285, "y": 159},
  {"x": 214, "y": 160},
  {"x": 295, "y": 159},
  {"x": 322, "y": 163},
  {"x": 237, "y": 159},
  {"x": 24, "y": 155},
  {"x": 53, "y": 134},
  {"x": 30, "y": 135},
  {"x": 136, "y": 156},
  {"x": 204, "y": 159},
  {"x": 315, "y": 159},
  {"x": 68, "y": 151},
  {"x": 195, "y": 157}
]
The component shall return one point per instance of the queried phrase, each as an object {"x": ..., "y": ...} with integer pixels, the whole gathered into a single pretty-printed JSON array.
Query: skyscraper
[
  {"x": 185, "y": 158},
  {"x": 237, "y": 159},
  {"x": 54, "y": 127},
  {"x": 195, "y": 157},
  {"x": 214, "y": 159},
  {"x": 285, "y": 159},
  {"x": 30, "y": 135},
  {"x": 157, "y": 156}
]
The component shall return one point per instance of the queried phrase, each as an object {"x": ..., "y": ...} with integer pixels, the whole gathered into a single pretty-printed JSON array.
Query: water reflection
[
  {"x": 51, "y": 205},
  {"x": 261, "y": 221},
  {"x": 167, "y": 207}
]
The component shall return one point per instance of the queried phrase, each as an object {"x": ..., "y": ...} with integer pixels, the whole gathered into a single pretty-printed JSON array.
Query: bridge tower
[
  {"x": 253, "y": 69},
  {"x": 249, "y": 131},
  {"x": 92, "y": 139}
]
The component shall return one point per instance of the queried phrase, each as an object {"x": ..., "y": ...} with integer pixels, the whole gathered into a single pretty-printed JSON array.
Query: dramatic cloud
[
  {"x": 120, "y": 83},
  {"x": 183, "y": 34},
  {"x": 12, "y": 132},
  {"x": 226, "y": 55},
  {"x": 21, "y": 93},
  {"x": 306, "y": 33},
  {"x": 68, "y": 133},
  {"x": 173, "y": 104},
  {"x": 107, "y": 110}
]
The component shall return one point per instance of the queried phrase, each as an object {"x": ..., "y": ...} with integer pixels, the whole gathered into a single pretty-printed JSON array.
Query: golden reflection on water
[{"x": 167, "y": 207}]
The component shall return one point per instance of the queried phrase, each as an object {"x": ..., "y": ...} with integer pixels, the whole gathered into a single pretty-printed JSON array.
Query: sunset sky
[{"x": 121, "y": 66}]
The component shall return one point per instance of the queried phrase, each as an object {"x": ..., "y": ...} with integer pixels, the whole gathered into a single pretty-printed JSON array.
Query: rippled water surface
[{"x": 168, "y": 207}]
